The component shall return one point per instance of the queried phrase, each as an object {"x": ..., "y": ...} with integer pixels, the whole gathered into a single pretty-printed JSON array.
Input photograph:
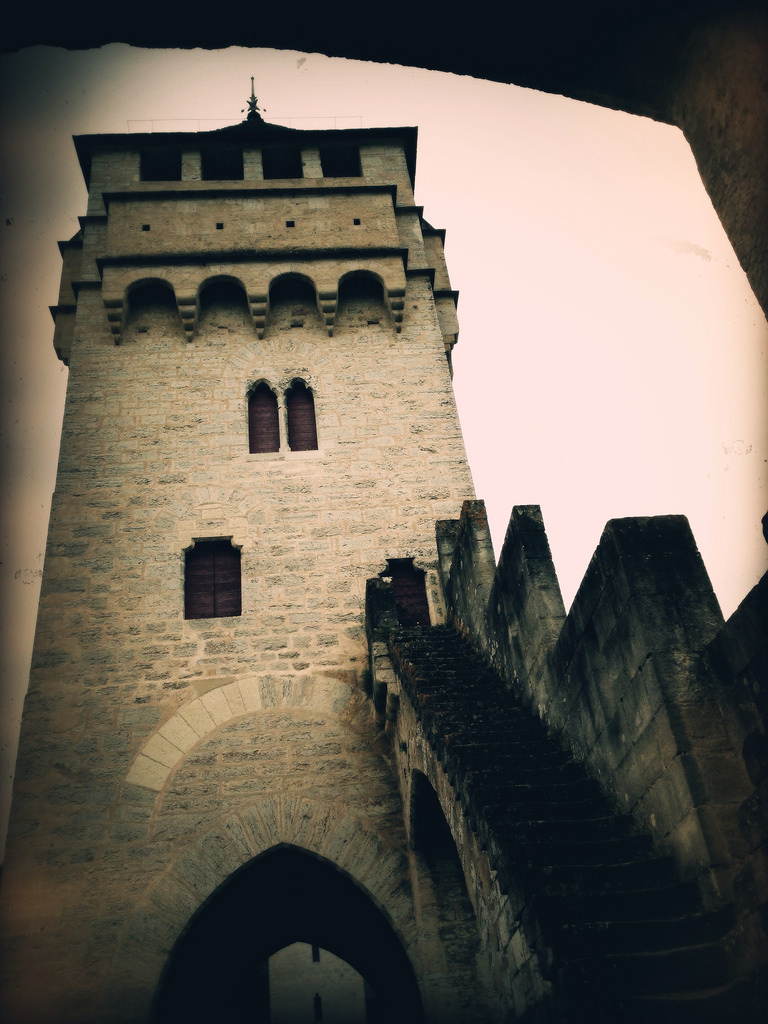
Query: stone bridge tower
[
  {"x": 258, "y": 324},
  {"x": 282, "y": 756}
]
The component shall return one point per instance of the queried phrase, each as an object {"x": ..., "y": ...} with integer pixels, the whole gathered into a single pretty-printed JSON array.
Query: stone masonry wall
[
  {"x": 632, "y": 679},
  {"x": 159, "y": 754}
]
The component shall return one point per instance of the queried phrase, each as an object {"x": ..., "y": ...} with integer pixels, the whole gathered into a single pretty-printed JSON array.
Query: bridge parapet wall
[{"x": 626, "y": 677}]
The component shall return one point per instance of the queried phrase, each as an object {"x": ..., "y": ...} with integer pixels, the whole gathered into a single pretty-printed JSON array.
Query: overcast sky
[{"x": 612, "y": 360}]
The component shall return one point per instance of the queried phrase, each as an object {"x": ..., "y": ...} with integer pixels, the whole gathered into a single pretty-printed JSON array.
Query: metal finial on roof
[{"x": 254, "y": 114}]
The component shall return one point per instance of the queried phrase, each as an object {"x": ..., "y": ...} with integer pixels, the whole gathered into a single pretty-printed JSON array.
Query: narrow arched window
[
  {"x": 212, "y": 580},
  {"x": 263, "y": 424},
  {"x": 300, "y": 406}
]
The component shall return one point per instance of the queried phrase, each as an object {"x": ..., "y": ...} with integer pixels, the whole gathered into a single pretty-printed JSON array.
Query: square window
[
  {"x": 219, "y": 226},
  {"x": 212, "y": 580},
  {"x": 290, "y": 223},
  {"x": 145, "y": 227}
]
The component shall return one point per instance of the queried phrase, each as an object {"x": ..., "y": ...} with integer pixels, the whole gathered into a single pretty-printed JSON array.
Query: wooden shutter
[
  {"x": 263, "y": 428},
  {"x": 212, "y": 580},
  {"x": 302, "y": 432}
]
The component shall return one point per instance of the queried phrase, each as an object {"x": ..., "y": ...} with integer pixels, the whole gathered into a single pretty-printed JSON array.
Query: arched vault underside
[{"x": 699, "y": 64}]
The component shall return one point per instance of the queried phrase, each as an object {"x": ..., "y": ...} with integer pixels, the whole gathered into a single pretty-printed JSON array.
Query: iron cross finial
[{"x": 254, "y": 114}]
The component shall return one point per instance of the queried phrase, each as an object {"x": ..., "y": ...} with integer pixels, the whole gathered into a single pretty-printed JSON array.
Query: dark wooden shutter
[
  {"x": 302, "y": 432},
  {"x": 226, "y": 582},
  {"x": 410, "y": 592},
  {"x": 198, "y": 583},
  {"x": 263, "y": 429},
  {"x": 212, "y": 580}
]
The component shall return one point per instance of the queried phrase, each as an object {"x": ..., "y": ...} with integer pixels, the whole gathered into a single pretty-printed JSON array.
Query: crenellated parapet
[{"x": 643, "y": 681}]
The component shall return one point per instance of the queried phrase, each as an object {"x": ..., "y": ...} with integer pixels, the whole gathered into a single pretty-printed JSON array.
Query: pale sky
[{"x": 612, "y": 360}]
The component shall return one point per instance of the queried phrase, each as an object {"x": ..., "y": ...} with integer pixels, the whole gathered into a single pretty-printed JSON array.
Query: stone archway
[{"x": 283, "y": 896}]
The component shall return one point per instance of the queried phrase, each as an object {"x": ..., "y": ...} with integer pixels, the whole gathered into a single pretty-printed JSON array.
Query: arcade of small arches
[{"x": 360, "y": 298}]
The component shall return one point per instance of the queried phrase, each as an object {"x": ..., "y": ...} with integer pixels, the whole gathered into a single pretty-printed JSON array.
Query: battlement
[{"x": 642, "y": 679}]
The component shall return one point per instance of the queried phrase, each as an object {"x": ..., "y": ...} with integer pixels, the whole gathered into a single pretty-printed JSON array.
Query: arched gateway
[{"x": 286, "y": 895}]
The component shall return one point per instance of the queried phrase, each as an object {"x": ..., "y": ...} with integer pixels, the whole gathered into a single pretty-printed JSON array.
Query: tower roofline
[{"x": 257, "y": 132}]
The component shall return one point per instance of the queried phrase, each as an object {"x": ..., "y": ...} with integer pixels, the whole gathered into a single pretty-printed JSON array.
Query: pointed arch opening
[
  {"x": 300, "y": 411},
  {"x": 217, "y": 967},
  {"x": 263, "y": 420}
]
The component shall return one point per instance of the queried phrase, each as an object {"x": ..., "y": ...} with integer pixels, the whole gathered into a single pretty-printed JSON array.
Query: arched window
[
  {"x": 263, "y": 424},
  {"x": 212, "y": 580},
  {"x": 300, "y": 406}
]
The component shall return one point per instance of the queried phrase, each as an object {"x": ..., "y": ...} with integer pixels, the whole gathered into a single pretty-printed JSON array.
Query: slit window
[
  {"x": 212, "y": 580},
  {"x": 302, "y": 429},
  {"x": 263, "y": 423}
]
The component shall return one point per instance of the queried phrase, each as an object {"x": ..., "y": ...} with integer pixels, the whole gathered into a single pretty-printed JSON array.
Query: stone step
[
  {"x": 654, "y": 934},
  {"x": 540, "y": 853},
  {"x": 523, "y": 826},
  {"x": 641, "y": 974},
  {"x": 601, "y": 879},
  {"x": 557, "y": 905},
  {"x": 556, "y": 807},
  {"x": 720, "y": 1004},
  {"x": 486, "y": 785}
]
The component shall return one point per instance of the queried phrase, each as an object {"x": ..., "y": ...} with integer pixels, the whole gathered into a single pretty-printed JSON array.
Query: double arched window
[{"x": 264, "y": 418}]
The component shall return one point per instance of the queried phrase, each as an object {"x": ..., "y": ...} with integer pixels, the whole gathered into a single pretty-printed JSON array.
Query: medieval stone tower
[
  {"x": 258, "y": 324},
  {"x": 282, "y": 756}
]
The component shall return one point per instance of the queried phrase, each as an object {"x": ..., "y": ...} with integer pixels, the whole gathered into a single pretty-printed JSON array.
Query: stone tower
[{"x": 258, "y": 324}]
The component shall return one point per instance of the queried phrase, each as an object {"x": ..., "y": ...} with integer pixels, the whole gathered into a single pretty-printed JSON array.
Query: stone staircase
[{"x": 625, "y": 939}]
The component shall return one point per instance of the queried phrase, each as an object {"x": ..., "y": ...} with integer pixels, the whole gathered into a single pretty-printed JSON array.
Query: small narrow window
[
  {"x": 263, "y": 425},
  {"x": 315, "y": 954},
  {"x": 302, "y": 430},
  {"x": 212, "y": 580},
  {"x": 318, "y": 1006}
]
